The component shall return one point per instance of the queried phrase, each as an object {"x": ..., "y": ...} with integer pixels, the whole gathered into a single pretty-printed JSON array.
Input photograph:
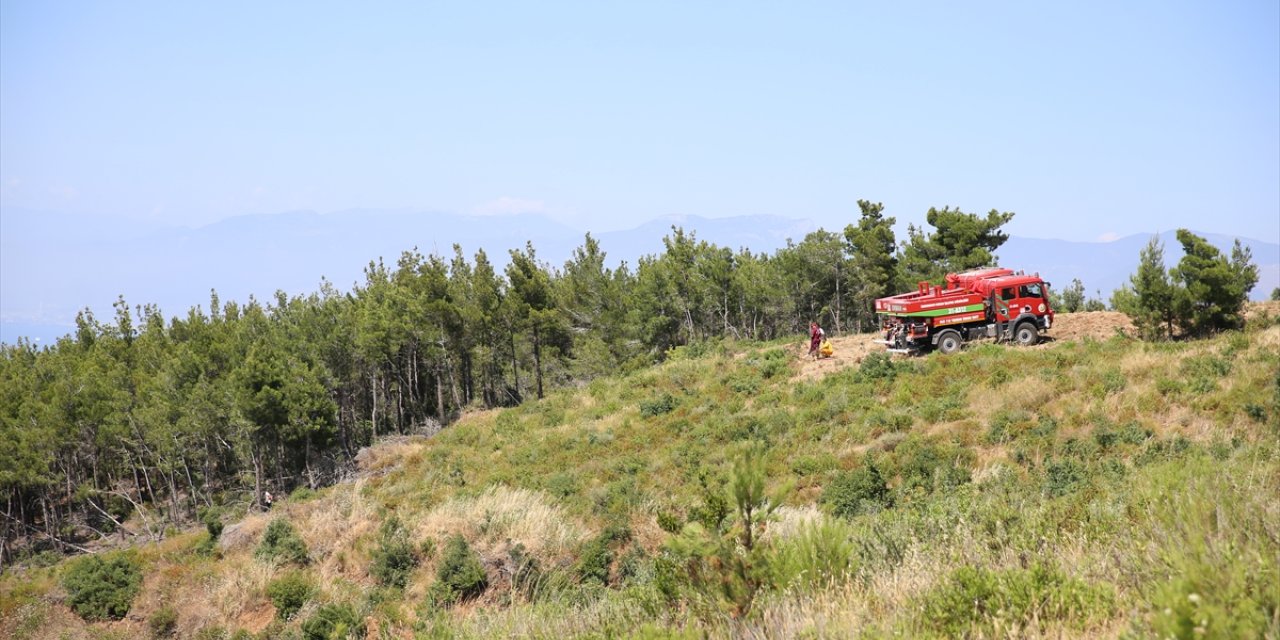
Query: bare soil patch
[
  {"x": 1067, "y": 327},
  {"x": 1259, "y": 310},
  {"x": 849, "y": 350},
  {"x": 1096, "y": 325}
]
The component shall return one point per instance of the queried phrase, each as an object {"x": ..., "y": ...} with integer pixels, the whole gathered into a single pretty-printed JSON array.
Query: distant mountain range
[
  {"x": 1104, "y": 266},
  {"x": 52, "y": 265}
]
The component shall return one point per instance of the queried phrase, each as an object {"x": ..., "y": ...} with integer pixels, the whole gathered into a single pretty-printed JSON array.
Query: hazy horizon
[
  {"x": 52, "y": 266},
  {"x": 1091, "y": 121}
]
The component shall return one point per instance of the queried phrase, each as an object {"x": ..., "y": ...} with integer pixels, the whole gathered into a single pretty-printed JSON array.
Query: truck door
[
  {"x": 1006, "y": 304},
  {"x": 1030, "y": 300}
]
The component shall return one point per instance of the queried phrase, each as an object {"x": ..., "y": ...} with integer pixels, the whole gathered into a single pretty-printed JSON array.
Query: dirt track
[
  {"x": 850, "y": 350},
  {"x": 1098, "y": 325}
]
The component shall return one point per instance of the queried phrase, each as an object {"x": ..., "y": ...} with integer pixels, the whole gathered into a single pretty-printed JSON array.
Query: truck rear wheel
[
  {"x": 949, "y": 342},
  {"x": 1026, "y": 335}
]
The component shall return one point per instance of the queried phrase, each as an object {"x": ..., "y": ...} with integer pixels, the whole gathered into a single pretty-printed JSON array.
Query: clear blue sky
[{"x": 1088, "y": 119}]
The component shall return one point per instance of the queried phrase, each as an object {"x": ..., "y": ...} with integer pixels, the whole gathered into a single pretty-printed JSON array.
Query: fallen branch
[{"x": 47, "y": 535}]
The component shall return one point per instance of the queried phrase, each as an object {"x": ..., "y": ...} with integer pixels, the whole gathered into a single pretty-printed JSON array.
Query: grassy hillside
[{"x": 1083, "y": 488}]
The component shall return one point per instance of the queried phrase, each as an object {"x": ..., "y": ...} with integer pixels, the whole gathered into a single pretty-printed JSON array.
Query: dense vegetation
[
  {"x": 639, "y": 459},
  {"x": 156, "y": 419},
  {"x": 1082, "y": 489},
  {"x": 1202, "y": 295}
]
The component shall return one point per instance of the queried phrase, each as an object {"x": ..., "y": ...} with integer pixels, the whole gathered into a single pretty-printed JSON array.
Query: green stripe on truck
[{"x": 933, "y": 313}]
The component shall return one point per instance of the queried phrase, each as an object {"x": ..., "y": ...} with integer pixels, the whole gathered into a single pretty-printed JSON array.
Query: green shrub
[
  {"x": 213, "y": 530},
  {"x": 1134, "y": 433},
  {"x": 1256, "y": 412},
  {"x": 460, "y": 576},
  {"x": 1158, "y": 450},
  {"x": 808, "y": 465},
  {"x": 289, "y": 592},
  {"x": 858, "y": 491},
  {"x": 1167, "y": 387},
  {"x": 302, "y": 494},
  {"x": 1080, "y": 449},
  {"x": 890, "y": 421},
  {"x": 877, "y": 366},
  {"x": 633, "y": 564},
  {"x": 1063, "y": 476},
  {"x": 771, "y": 363},
  {"x": 394, "y": 558},
  {"x": 206, "y": 546},
  {"x": 669, "y": 521},
  {"x": 212, "y": 520},
  {"x": 215, "y": 632},
  {"x": 597, "y": 555},
  {"x": 1045, "y": 428},
  {"x": 727, "y": 567},
  {"x": 1214, "y": 526},
  {"x": 664, "y": 403},
  {"x": 714, "y": 508},
  {"x": 980, "y": 598},
  {"x": 1006, "y": 425},
  {"x": 617, "y": 497},
  {"x": 281, "y": 541},
  {"x": 102, "y": 587},
  {"x": 526, "y": 573},
  {"x": 1105, "y": 437},
  {"x": 333, "y": 622},
  {"x": 931, "y": 467},
  {"x": 820, "y": 555},
  {"x": 1113, "y": 381},
  {"x": 1203, "y": 372},
  {"x": 745, "y": 382},
  {"x": 163, "y": 622},
  {"x": 1181, "y": 612},
  {"x": 562, "y": 485}
]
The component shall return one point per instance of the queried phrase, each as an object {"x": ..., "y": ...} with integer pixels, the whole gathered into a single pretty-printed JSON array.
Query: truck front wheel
[
  {"x": 949, "y": 342},
  {"x": 1026, "y": 335}
]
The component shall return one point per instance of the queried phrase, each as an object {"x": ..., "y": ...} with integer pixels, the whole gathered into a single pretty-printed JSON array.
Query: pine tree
[
  {"x": 873, "y": 265},
  {"x": 1151, "y": 304},
  {"x": 1073, "y": 297},
  {"x": 960, "y": 241},
  {"x": 1213, "y": 288}
]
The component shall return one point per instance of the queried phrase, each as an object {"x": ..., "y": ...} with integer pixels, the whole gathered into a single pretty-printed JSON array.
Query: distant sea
[{"x": 40, "y": 334}]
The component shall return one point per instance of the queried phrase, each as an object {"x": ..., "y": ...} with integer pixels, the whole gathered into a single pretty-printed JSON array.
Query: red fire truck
[{"x": 985, "y": 303}]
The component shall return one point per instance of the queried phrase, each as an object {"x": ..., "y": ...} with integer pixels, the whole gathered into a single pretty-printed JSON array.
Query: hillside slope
[{"x": 1095, "y": 486}]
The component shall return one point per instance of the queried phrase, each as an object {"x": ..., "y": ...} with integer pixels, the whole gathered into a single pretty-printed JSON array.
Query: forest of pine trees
[{"x": 149, "y": 418}]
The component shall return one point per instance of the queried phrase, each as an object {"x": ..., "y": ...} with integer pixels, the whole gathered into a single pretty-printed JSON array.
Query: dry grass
[
  {"x": 387, "y": 454},
  {"x": 790, "y": 520},
  {"x": 644, "y": 527},
  {"x": 238, "y": 591},
  {"x": 1028, "y": 393},
  {"x": 333, "y": 527},
  {"x": 501, "y": 515},
  {"x": 239, "y": 536},
  {"x": 554, "y": 620},
  {"x": 46, "y": 621},
  {"x": 1269, "y": 338}
]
